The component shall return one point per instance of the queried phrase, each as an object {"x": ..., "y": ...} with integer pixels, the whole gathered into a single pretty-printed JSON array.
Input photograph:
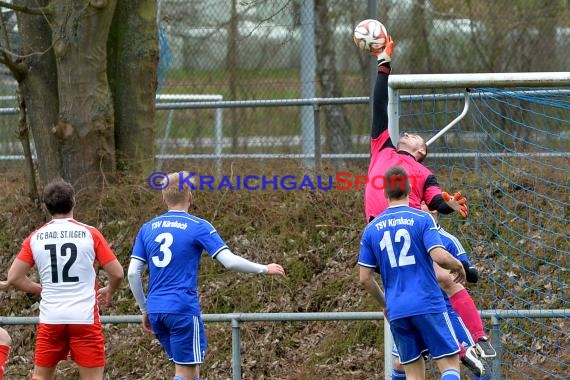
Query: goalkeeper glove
[
  {"x": 385, "y": 54},
  {"x": 471, "y": 273},
  {"x": 461, "y": 202}
]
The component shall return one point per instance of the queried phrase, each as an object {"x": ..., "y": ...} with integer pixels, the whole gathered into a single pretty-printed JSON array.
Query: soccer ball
[{"x": 370, "y": 35}]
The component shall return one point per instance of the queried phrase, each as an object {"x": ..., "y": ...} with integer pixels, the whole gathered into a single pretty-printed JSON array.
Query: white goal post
[
  {"x": 424, "y": 81},
  {"x": 457, "y": 81}
]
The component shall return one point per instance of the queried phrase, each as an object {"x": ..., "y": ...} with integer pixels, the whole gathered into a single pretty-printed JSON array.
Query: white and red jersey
[{"x": 65, "y": 251}]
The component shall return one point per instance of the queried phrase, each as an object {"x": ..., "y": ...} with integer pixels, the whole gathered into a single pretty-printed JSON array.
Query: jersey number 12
[
  {"x": 64, "y": 250},
  {"x": 403, "y": 258}
]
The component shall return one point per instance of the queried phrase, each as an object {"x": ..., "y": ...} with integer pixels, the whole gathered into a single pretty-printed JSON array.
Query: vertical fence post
[
  {"x": 317, "y": 128},
  {"x": 164, "y": 141},
  {"x": 236, "y": 349},
  {"x": 388, "y": 343},
  {"x": 308, "y": 69},
  {"x": 497, "y": 343},
  {"x": 219, "y": 134},
  {"x": 394, "y": 114}
]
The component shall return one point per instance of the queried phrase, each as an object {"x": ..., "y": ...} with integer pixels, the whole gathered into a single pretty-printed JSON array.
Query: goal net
[{"x": 510, "y": 156}]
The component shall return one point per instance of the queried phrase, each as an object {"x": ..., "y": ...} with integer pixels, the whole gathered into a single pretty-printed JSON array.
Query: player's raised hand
[
  {"x": 275, "y": 270},
  {"x": 385, "y": 55},
  {"x": 456, "y": 202}
]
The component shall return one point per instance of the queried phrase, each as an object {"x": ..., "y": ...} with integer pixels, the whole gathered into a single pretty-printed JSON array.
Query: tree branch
[
  {"x": 18, "y": 70},
  {"x": 25, "y": 9}
]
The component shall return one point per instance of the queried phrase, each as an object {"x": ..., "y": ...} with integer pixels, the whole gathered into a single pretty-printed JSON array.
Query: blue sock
[
  {"x": 197, "y": 378},
  {"x": 178, "y": 377},
  {"x": 486, "y": 377},
  {"x": 450, "y": 374},
  {"x": 398, "y": 375}
]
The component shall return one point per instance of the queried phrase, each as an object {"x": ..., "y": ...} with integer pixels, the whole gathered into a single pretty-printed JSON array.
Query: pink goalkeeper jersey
[
  {"x": 383, "y": 156},
  {"x": 65, "y": 251}
]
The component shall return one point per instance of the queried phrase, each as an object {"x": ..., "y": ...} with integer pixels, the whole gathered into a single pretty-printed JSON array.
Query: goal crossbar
[{"x": 422, "y": 81}]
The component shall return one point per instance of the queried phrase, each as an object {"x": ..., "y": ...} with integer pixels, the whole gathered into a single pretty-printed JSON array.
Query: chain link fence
[{"x": 283, "y": 49}]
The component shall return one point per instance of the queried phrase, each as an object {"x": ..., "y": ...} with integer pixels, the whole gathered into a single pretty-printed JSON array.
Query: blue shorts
[
  {"x": 425, "y": 332},
  {"x": 461, "y": 333},
  {"x": 182, "y": 336}
]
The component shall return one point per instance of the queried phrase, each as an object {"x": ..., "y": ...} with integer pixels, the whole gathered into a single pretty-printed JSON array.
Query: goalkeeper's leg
[{"x": 464, "y": 306}]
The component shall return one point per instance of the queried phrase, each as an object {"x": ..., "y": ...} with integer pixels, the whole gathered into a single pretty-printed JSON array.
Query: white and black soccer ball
[{"x": 370, "y": 35}]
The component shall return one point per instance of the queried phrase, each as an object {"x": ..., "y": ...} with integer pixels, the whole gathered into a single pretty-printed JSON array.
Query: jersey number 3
[
  {"x": 165, "y": 239},
  {"x": 64, "y": 250},
  {"x": 403, "y": 258}
]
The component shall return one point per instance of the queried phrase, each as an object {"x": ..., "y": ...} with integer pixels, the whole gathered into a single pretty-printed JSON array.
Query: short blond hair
[{"x": 177, "y": 188}]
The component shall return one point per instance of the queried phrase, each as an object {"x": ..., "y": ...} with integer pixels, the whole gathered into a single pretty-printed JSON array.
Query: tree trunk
[
  {"x": 80, "y": 31},
  {"x": 336, "y": 123},
  {"x": 38, "y": 87},
  {"x": 133, "y": 62}
]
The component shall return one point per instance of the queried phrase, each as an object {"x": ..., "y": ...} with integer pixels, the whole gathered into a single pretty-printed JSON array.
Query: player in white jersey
[
  {"x": 66, "y": 253},
  {"x": 171, "y": 246}
]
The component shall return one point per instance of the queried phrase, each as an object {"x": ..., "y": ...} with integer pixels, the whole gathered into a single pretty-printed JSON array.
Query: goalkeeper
[{"x": 410, "y": 151}]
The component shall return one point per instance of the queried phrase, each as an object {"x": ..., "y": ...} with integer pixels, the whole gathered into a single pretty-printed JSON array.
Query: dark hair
[
  {"x": 58, "y": 197},
  {"x": 397, "y": 183}
]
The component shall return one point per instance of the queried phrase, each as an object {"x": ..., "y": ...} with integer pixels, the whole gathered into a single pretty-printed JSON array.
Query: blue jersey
[
  {"x": 171, "y": 245},
  {"x": 398, "y": 242},
  {"x": 453, "y": 246}
]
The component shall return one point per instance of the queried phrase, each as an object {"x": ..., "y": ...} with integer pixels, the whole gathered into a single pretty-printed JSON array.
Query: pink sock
[{"x": 463, "y": 305}]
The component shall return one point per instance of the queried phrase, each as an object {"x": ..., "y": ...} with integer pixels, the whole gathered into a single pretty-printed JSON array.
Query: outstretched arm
[
  {"x": 380, "y": 100},
  {"x": 239, "y": 264},
  {"x": 380, "y": 103}
]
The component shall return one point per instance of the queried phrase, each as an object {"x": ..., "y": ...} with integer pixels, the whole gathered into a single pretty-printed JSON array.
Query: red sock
[
  {"x": 463, "y": 305},
  {"x": 4, "y": 351}
]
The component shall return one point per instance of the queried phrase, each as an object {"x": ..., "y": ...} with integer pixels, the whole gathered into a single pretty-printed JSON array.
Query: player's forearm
[
  {"x": 135, "y": 283},
  {"x": 239, "y": 264},
  {"x": 115, "y": 271},
  {"x": 25, "y": 284},
  {"x": 445, "y": 260},
  {"x": 437, "y": 203},
  {"x": 375, "y": 291}
]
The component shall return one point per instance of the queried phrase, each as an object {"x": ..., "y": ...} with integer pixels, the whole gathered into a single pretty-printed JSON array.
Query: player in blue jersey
[
  {"x": 450, "y": 289},
  {"x": 403, "y": 243},
  {"x": 171, "y": 246}
]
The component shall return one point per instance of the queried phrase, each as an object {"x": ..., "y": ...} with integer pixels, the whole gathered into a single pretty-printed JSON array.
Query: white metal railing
[{"x": 237, "y": 318}]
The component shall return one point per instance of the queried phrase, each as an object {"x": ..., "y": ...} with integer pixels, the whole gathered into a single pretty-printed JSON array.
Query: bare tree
[
  {"x": 80, "y": 120},
  {"x": 338, "y": 129}
]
